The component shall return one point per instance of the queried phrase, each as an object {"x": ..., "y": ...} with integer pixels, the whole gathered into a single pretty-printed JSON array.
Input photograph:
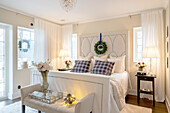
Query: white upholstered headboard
[{"x": 117, "y": 42}]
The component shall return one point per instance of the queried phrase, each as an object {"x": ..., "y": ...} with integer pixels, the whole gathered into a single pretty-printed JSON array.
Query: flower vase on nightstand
[
  {"x": 68, "y": 63},
  {"x": 141, "y": 66},
  {"x": 140, "y": 69}
]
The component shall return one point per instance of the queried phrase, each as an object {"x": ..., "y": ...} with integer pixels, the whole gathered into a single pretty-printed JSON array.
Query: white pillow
[
  {"x": 119, "y": 63},
  {"x": 102, "y": 58}
]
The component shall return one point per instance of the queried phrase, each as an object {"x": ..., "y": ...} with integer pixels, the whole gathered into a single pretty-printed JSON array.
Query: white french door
[{"x": 3, "y": 88}]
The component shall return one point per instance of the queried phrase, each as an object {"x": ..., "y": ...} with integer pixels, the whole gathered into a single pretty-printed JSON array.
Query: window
[
  {"x": 5, "y": 33},
  {"x": 2, "y": 63},
  {"x": 137, "y": 44},
  {"x": 25, "y": 46},
  {"x": 74, "y": 46}
]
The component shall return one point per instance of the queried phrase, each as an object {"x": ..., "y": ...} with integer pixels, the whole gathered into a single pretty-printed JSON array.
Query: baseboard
[
  {"x": 14, "y": 95},
  {"x": 167, "y": 104}
]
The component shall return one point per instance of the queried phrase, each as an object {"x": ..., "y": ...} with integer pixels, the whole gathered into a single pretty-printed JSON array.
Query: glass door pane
[{"x": 2, "y": 64}]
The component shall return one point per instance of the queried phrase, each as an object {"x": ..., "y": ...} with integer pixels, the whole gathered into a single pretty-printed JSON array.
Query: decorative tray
[
  {"x": 64, "y": 69},
  {"x": 49, "y": 97}
]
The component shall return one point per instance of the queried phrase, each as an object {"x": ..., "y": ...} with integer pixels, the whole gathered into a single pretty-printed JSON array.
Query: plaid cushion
[
  {"x": 81, "y": 66},
  {"x": 103, "y": 67}
]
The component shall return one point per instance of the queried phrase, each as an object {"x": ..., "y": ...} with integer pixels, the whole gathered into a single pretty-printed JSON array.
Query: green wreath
[
  {"x": 100, "y": 47},
  {"x": 20, "y": 45}
]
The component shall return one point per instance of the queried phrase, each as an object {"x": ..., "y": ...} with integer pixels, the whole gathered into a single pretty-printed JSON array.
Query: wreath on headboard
[{"x": 100, "y": 47}]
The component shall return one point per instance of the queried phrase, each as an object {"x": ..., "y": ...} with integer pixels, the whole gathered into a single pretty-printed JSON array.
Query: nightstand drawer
[{"x": 146, "y": 78}]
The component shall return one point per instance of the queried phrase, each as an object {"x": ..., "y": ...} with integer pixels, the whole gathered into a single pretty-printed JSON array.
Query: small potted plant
[
  {"x": 68, "y": 63},
  {"x": 141, "y": 65}
]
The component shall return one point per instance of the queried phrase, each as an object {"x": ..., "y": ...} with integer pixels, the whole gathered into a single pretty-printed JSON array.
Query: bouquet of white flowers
[{"x": 44, "y": 68}]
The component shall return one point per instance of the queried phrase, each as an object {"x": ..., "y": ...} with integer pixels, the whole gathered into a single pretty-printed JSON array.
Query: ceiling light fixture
[{"x": 67, "y": 5}]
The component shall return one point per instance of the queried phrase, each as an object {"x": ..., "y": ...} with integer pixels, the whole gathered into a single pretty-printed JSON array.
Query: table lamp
[
  {"x": 63, "y": 53},
  {"x": 150, "y": 52}
]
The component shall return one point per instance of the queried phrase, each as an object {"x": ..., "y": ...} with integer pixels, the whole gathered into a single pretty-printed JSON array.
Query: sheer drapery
[
  {"x": 47, "y": 42},
  {"x": 153, "y": 36},
  {"x": 67, "y": 37}
]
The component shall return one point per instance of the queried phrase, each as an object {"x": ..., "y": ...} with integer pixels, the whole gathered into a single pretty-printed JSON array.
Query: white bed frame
[{"x": 82, "y": 84}]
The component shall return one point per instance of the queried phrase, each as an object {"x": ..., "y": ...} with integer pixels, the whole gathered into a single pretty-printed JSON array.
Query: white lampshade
[
  {"x": 63, "y": 53},
  {"x": 150, "y": 52}
]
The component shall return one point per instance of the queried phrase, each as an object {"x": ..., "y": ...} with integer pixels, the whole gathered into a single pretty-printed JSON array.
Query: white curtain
[
  {"x": 47, "y": 42},
  {"x": 67, "y": 37},
  {"x": 153, "y": 36}
]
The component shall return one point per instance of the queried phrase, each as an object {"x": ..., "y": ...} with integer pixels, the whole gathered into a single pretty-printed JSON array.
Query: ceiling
[{"x": 84, "y": 11}]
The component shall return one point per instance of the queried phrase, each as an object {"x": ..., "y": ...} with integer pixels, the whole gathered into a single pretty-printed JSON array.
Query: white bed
[
  {"x": 109, "y": 91},
  {"x": 81, "y": 84}
]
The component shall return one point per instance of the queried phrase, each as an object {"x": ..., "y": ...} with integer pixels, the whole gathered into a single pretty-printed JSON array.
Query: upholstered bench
[{"x": 85, "y": 105}]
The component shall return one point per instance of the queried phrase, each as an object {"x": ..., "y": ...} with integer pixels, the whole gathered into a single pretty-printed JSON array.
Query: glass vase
[
  {"x": 45, "y": 84},
  {"x": 67, "y": 66},
  {"x": 140, "y": 69}
]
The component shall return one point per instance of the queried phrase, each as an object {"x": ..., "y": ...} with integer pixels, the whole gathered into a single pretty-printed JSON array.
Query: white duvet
[
  {"x": 80, "y": 88},
  {"x": 117, "y": 93}
]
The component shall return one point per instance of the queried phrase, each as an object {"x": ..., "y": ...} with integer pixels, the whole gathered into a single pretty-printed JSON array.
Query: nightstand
[{"x": 146, "y": 78}]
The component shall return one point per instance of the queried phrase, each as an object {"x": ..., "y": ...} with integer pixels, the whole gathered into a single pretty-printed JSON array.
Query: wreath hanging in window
[
  {"x": 24, "y": 45},
  {"x": 100, "y": 47}
]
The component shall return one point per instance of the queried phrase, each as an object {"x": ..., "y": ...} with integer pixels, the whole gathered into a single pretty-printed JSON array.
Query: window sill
[{"x": 29, "y": 68}]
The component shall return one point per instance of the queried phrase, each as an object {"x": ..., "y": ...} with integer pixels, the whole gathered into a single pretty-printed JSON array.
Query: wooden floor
[
  {"x": 8, "y": 102},
  {"x": 159, "y": 107}
]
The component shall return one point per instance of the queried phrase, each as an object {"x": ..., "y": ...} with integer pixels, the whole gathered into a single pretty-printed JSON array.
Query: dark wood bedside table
[{"x": 146, "y": 78}]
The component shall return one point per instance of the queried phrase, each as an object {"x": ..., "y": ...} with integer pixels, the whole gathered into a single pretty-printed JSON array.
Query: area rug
[
  {"x": 16, "y": 108},
  {"x": 135, "y": 109}
]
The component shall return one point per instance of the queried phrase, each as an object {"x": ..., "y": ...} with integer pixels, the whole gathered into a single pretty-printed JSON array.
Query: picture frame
[
  {"x": 167, "y": 47},
  {"x": 167, "y": 33},
  {"x": 167, "y": 63}
]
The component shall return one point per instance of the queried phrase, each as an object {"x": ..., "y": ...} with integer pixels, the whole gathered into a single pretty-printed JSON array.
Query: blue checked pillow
[
  {"x": 103, "y": 67},
  {"x": 81, "y": 66}
]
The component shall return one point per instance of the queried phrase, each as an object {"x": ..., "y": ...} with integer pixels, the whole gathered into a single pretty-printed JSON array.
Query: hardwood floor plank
[{"x": 8, "y": 102}]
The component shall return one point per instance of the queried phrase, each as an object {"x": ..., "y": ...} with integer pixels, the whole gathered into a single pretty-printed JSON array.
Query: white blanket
[
  {"x": 117, "y": 93},
  {"x": 109, "y": 96}
]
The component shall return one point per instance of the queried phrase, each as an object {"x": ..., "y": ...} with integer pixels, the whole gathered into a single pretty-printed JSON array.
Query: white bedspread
[
  {"x": 109, "y": 96},
  {"x": 117, "y": 93},
  {"x": 123, "y": 78}
]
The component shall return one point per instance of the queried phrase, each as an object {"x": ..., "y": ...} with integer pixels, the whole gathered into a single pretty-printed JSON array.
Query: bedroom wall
[
  {"x": 20, "y": 77},
  {"x": 117, "y": 24}
]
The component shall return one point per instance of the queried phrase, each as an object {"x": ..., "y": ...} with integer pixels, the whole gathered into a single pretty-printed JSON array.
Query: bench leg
[
  {"x": 23, "y": 108},
  {"x": 39, "y": 111}
]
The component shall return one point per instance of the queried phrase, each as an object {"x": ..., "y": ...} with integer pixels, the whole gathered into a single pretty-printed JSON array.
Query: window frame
[
  {"x": 30, "y": 39},
  {"x": 6, "y": 54},
  {"x": 135, "y": 30}
]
